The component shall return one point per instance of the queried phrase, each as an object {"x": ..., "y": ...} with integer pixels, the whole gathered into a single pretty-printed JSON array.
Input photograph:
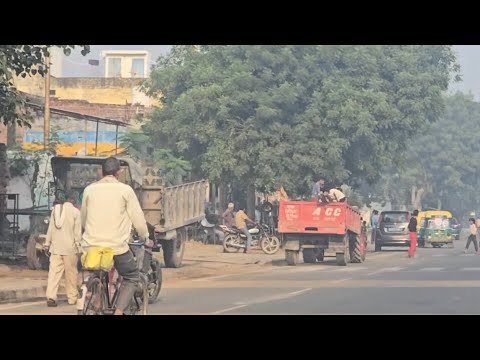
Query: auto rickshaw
[{"x": 435, "y": 229}]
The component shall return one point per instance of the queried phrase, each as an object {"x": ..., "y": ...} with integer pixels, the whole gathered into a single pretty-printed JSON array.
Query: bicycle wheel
[
  {"x": 95, "y": 298},
  {"x": 139, "y": 304},
  {"x": 155, "y": 281}
]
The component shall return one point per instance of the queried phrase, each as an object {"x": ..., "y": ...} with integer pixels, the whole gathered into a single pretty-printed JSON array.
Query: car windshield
[
  {"x": 438, "y": 222},
  {"x": 395, "y": 217}
]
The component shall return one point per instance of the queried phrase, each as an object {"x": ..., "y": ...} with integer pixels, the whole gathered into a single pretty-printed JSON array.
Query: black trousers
[
  {"x": 472, "y": 238},
  {"x": 126, "y": 266}
]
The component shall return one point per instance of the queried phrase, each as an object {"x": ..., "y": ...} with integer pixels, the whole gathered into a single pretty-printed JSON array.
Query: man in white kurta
[{"x": 63, "y": 242}]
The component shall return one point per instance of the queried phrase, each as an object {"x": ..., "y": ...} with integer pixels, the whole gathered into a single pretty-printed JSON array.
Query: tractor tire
[
  {"x": 291, "y": 256},
  {"x": 359, "y": 252}
]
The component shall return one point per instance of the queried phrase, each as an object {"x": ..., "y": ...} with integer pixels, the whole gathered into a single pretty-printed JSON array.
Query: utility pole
[{"x": 46, "y": 125}]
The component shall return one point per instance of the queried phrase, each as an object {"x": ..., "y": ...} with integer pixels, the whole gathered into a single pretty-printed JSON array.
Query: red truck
[{"x": 315, "y": 228}]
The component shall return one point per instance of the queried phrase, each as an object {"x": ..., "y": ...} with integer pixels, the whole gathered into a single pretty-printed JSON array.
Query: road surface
[{"x": 437, "y": 281}]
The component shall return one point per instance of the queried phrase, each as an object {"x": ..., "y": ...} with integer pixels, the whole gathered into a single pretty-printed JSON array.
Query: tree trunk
[
  {"x": 417, "y": 197},
  {"x": 4, "y": 178},
  {"x": 11, "y": 135},
  {"x": 223, "y": 192},
  {"x": 251, "y": 201}
]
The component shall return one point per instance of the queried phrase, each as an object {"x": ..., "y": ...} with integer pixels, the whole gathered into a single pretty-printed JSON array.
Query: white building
[{"x": 126, "y": 63}]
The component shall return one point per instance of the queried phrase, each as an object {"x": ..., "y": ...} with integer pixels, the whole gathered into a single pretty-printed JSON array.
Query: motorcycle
[
  {"x": 261, "y": 237},
  {"x": 209, "y": 232}
]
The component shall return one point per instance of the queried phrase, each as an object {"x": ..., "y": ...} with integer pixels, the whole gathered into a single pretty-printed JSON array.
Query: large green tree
[
  {"x": 271, "y": 115},
  {"x": 441, "y": 169},
  {"x": 22, "y": 60}
]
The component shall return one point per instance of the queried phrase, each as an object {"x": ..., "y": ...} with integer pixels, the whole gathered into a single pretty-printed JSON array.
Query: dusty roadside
[{"x": 18, "y": 283}]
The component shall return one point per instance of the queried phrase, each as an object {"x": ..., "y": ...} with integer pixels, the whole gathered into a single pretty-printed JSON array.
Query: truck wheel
[
  {"x": 359, "y": 251},
  {"x": 36, "y": 259},
  {"x": 291, "y": 256},
  {"x": 378, "y": 247},
  {"x": 344, "y": 258},
  {"x": 173, "y": 250},
  {"x": 320, "y": 254},
  {"x": 309, "y": 256}
]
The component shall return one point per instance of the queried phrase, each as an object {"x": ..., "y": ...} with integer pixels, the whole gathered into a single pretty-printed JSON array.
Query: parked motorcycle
[{"x": 261, "y": 237}]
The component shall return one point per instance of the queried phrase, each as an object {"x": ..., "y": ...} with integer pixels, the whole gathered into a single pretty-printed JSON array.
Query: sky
[{"x": 77, "y": 66}]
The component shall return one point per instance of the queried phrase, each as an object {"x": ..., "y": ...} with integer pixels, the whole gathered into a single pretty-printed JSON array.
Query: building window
[
  {"x": 114, "y": 67},
  {"x": 138, "y": 68}
]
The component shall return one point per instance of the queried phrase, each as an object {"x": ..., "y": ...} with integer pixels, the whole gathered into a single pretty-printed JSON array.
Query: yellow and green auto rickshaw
[{"x": 434, "y": 228}]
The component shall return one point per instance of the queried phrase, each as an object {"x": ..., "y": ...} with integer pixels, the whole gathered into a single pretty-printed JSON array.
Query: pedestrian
[
  {"x": 258, "y": 214},
  {"x": 373, "y": 224},
  {"x": 63, "y": 242},
  {"x": 229, "y": 216},
  {"x": 412, "y": 228},
  {"x": 473, "y": 236}
]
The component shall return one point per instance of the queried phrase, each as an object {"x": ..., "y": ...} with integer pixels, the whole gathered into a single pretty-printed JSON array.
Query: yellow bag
[{"x": 98, "y": 258}]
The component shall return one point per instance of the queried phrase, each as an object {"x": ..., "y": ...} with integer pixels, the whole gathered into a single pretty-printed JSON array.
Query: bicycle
[{"x": 101, "y": 290}]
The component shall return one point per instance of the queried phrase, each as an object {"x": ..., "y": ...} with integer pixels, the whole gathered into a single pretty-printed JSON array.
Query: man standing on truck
[
  {"x": 241, "y": 219},
  {"x": 336, "y": 195},
  {"x": 319, "y": 188},
  {"x": 412, "y": 228},
  {"x": 109, "y": 209}
]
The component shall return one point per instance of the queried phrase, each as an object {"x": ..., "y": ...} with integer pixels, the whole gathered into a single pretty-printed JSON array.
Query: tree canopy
[
  {"x": 273, "y": 115},
  {"x": 22, "y": 60},
  {"x": 441, "y": 168}
]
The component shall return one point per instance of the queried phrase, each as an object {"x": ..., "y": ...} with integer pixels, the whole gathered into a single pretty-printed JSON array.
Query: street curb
[
  {"x": 22, "y": 295},
  {"x": 18, "y": 295}
]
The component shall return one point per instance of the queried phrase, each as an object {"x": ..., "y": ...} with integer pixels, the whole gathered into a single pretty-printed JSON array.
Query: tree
[
  {"x": 33, "y": 166},
  {"x": 441, "y": 170},
  {"x": 174, "y": 169},
  {"x": 22, "y": 60},
  {"x": 270, "y": 115}
]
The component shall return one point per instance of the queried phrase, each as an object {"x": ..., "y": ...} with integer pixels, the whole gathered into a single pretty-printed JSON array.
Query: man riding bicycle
[{"x": 109, "y": 208}]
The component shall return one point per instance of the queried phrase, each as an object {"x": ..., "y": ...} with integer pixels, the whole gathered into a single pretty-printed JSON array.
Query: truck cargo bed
[{"x": 311, "y": 217}]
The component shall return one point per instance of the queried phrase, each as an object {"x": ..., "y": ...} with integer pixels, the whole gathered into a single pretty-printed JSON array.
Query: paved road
[{"x": 437, "y": 281}]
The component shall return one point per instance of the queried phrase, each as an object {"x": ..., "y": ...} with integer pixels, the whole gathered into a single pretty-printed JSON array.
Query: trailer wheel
[
  {"x": 309, "y": 256},
  {"x": 344, "y": 258},
  {"x": 359, "y": 250},
  {"x": 291, "y": 256},
  {"x": 173, "y": 250},
  {"x": 320, "y": 254},
  {"x": 36, "y": 259}
]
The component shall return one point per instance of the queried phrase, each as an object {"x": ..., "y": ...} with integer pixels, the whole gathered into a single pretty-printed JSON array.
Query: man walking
[
  {"x": 412, "y": 228},
  {"x": 473, "y": 236},
  {"x": 63, "y": 242},
  {"x": 373, "y": 224}
]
